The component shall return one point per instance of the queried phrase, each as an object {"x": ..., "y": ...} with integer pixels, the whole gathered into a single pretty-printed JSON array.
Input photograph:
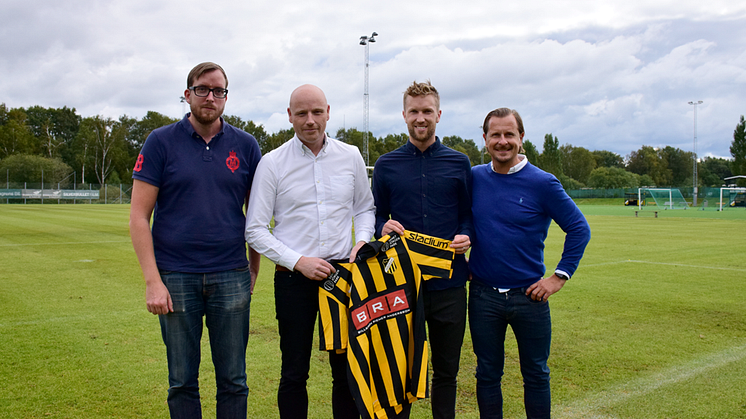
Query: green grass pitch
[{"x": 653, "y": 324}]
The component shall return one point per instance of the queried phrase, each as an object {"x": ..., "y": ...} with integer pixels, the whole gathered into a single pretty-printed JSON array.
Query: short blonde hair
[{"x": 421, "y": 89}]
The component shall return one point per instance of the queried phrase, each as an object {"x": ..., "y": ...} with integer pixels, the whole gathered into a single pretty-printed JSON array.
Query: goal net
[
  {"x": 732, "y": 197},
  {"x": 664, "y": 198}
]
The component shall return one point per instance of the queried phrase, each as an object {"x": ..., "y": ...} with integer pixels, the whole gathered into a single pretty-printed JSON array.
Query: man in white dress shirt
[{"x": 313, "y": 186}]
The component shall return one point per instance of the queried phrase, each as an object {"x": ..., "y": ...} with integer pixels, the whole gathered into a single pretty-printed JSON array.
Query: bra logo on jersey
[
  {"x": 430, "y": 241},
  {"x": 389, "y": 266},
  {"x": 232, "y": 161},
  {"x": 379, "y": 308}
]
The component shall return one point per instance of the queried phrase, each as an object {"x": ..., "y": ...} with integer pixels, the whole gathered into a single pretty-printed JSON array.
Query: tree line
[{"x": 101, "y": 150}]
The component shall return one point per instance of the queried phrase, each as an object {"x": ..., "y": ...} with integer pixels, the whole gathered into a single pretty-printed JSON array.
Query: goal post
[
  {"x": 735, "y": 197},
  {"x": 664, "y": 198}
]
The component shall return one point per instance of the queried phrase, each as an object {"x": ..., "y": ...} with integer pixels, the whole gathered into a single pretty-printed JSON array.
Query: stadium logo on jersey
[
  {"x": 389, "y": 266},
  {"x": 380, "y": 308},
  {"x": 138, "y": 164},
  {"x": 430, "y": 241},
  {"x": 232, "y": 161}
]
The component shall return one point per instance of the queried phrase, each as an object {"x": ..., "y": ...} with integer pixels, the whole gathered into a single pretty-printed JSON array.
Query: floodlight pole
[
  {"x": 694, "y": 154},
  {"x": 365, "y": 41}
]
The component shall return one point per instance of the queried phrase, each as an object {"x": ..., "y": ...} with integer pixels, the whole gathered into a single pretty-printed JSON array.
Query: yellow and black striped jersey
[{"x": 372, "y": 308}]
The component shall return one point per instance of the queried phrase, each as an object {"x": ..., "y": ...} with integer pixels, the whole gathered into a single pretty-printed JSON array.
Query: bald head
[
  {"x": 308, "y": 112},
  {"x": 306, "y": 92}
]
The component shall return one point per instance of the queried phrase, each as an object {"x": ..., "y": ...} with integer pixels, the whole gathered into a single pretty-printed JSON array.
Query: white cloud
[{"x": 602, "y": 75}]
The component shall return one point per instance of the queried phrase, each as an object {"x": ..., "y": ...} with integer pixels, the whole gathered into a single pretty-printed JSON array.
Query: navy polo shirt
[
  {"x": 198, "y": 221},
  {"x": 427, "y": 192}
]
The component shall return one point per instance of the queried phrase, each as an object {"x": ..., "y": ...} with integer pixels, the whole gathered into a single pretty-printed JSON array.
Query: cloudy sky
[{"x": 605, "y": 75}]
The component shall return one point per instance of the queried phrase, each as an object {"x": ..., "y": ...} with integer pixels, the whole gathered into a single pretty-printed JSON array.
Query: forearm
[{"x": 142, "y": 242}]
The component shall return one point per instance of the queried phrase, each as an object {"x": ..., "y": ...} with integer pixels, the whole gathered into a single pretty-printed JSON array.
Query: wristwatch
[{"x": 562, "y": 275}]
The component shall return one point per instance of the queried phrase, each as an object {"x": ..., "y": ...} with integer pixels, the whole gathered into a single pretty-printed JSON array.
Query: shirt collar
[
  {"x": 518, "y": 166},
  {"x": 411, "y": 148},
  {"x": 298, "y": 144}
]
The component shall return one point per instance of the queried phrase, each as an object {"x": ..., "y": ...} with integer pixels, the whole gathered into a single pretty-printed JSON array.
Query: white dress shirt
[{"x": 313, "y": 200}]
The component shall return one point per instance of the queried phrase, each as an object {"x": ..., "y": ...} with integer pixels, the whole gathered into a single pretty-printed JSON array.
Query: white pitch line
[
  {"x": 51, "y": 244},
  {"x": 663, "y": 263},
  {"x": 588, "y": 407},
  {"x": 688, "y": 266}
]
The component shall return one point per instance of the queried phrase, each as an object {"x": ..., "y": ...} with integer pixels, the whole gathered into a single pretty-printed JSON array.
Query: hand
[
  {"x": 254, "y": 275},
  {"x": 392, "y": 225},
  {"x": 355, "y": 249},
  {"x": 461, "y": 243},
  {"x": 314, "y": 268},
  {"x": 543, "y": 288},
  {"x": 158, "y": 298}
]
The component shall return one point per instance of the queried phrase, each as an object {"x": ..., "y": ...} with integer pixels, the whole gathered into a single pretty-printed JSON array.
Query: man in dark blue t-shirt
[
  {"x": 194, "y": 178},
  {"x": 424, "y": 186}
]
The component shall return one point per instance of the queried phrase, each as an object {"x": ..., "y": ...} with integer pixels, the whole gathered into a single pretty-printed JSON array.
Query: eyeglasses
[{"x": 203, "y": 91}]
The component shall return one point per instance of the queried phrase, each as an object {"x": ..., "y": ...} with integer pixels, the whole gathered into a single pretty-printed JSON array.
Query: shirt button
[
  {"x": 208, "y": 147},
  {"x": 425, "y": 215}
]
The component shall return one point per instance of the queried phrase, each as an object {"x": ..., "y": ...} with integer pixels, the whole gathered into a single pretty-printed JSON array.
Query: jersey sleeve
[
  {"x": 434, "y": 256},
  {"x": 334, "y": 297}
]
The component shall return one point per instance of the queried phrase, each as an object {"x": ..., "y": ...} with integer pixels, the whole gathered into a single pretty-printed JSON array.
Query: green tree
[
  {"x": 103, "y": 142},
  {"x": 54, "y": 128},
  {"x": 612, "y": 178},
  {"x": 577, "y": 162},
  {"x": 550, "y": 159},
  {"x": 256, "y": 131},
  {"x": 467, "y": 147},
  {"x": 606, "y": 158},
  {"x": 139, "y": 132},
  {"x": 30, "y": 168},
  {"x": 738, "y": 148},
  {"x": 679, "y": 162},
  {"x": 15, "y": 137},
  {"x": 712, "y": 171},
  {"x": 276, "y": 139},
  {"x": 647, "y": 161},
  {"x": 530, "y": 151}
]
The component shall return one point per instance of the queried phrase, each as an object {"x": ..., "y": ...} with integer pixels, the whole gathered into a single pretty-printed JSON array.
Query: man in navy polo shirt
[
  {"x": 194, "y": 177},
  {"x": 424, "y": 186}
]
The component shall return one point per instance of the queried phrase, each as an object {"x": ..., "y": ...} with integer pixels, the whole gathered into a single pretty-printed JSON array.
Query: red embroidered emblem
[
  {"x": 138, "y": 164},
  {"x": 232, "y": 161}
]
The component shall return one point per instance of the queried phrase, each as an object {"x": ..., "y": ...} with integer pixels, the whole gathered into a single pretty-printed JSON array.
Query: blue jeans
[
  {"x": 490, "y": 313},
  {"x": 223, "y": 298}
]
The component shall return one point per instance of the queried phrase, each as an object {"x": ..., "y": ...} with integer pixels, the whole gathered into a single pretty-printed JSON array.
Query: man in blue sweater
[{"x": 513, "y": 204}]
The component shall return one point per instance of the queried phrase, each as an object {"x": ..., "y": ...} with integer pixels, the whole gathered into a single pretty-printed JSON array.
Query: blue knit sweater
[{"x": 512, "y": 214}]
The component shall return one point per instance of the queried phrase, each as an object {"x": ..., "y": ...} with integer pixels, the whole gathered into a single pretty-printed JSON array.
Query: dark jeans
[
  {"x": 223, "y": 298},
  {"x": 445, "y": 312},
  {"x": 297, "y": 304},
  {"x": 490, "y": 313}
]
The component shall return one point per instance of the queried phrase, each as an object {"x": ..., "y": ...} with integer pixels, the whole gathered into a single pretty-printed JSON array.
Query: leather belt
[{"x": 280, "y": 268}]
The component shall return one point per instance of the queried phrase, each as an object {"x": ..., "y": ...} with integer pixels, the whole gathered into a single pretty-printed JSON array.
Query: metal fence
[{"x": 38, "y": 193}]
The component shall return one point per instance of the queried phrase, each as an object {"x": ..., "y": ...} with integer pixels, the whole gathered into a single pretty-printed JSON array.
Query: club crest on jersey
[
  {"x": 389, "y": 266},
  {"x": 232, "y": 161}
]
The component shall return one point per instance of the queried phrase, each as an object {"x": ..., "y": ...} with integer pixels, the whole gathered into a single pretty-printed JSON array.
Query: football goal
[
  {"x": 732, "y": 197},
  {"x": 664, "y": 198}
]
